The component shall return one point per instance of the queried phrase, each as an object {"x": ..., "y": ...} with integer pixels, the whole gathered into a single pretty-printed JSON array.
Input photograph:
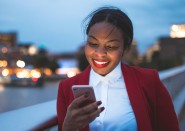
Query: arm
[{"x": 166, "y": 119}]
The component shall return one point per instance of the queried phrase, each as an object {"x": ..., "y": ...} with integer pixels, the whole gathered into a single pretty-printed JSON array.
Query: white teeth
[{"x": 100, "y": 63}]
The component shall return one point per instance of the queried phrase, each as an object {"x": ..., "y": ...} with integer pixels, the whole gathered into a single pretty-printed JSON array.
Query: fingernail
[
  {"x": 99, "y": 103},
  {"x": 102, "y": 108}
]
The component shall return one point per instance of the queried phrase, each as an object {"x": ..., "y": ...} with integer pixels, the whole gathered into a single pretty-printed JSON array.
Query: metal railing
[
  {"x": 35, "y": 118},
  {"x": 43, "y": 116}
]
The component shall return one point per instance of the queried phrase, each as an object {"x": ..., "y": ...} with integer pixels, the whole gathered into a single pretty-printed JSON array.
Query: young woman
[{"x": 131, "y": 98}]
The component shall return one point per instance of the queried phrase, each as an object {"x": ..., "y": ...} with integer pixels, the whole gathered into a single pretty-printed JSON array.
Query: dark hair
[{"x": 115, "y": 17}]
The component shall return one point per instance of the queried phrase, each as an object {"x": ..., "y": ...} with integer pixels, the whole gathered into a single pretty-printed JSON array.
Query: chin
[{"x": 101, "y": 71}]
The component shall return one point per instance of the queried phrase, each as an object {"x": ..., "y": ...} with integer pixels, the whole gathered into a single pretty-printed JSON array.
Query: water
[{"x": 12, "y": 98}]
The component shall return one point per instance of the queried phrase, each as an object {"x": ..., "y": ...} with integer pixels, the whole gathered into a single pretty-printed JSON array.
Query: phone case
[{"x": 79, "y": 90}]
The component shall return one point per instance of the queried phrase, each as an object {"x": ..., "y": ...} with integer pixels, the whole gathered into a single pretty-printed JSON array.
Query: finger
[
  {"x": 90, "y": 108},
  {"x": 79, "y": 100},
  {"x": 83, "y": 120},
  {"x": 93, "y": 115}
]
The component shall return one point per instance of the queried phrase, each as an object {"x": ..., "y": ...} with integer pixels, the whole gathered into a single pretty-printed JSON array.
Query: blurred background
[{"x": 42, "y": 42}]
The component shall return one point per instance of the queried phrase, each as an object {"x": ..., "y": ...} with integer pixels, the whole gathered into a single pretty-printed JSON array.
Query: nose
[{"x": 100, "y": 51}]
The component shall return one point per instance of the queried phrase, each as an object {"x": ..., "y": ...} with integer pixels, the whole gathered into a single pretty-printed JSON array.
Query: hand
[{"x": 78, "y": 116}]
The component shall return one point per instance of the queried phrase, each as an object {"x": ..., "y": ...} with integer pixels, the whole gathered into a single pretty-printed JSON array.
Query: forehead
[{"x": 105, "y": 30}]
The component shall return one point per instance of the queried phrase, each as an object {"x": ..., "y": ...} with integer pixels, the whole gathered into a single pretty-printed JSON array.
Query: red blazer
[{"x": 151, "y": 102}]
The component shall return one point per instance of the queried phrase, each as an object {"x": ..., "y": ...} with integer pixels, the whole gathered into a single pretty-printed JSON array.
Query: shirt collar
[{"x": 112, "y": 77}]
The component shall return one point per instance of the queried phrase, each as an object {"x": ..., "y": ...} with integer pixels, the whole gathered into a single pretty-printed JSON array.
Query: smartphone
[{"x": 79, "y": 90}]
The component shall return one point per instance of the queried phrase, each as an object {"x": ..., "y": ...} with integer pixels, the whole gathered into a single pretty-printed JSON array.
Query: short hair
[{"x": 114, "y": 16}]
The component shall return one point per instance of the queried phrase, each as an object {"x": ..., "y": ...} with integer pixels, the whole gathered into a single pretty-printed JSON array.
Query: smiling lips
[{"x": 100, "y": 63}]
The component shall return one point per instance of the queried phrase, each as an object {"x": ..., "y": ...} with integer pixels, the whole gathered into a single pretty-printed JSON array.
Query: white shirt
[{"x": 111, "y": 90}]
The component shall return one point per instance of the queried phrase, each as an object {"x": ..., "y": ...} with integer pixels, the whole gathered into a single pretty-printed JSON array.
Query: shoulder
[
  {"x": 65, "y": 88},
  {"x": 147, "y": 79},
  {"x": 70, "y": 81},
  {"x": 148, "y": 82},
  {"x": 80, "y": 79}
]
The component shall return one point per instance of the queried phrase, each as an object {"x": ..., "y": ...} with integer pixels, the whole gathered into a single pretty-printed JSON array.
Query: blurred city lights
[
  {"x": 32, "y": 50},
  {"x": 64, "y": 71},
  {"x": 20, "y": 63},
  {"x": 47, "y": 72},
  {"x": 3, "y": 63},
  {"x": 2, "y": 88},
  {"x": 177, "y": 31},
  {"x": 35, "y": 74},
  {"x": 4, "y": 50},
  {"x": 5, "y": 72},
  {"x": 35, "y": 79},
  {"x": 23, "y": 74},
  {"x": 71, "y": 73}
]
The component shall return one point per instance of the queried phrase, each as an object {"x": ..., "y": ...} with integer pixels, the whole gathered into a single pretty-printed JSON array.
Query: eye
[
  {"x": 112, "y": 47},
  {"x": 93, "y": 44}
]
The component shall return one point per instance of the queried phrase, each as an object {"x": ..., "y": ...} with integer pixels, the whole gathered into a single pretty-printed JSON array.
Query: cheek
[
  {"x": 117, "y": 55},
  {"x": 88, "y": 50}
]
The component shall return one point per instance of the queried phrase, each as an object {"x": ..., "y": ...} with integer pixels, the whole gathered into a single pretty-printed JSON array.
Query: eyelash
[
  {"x": 111, "y": 48},
  {"x": 92, "y": 44}
]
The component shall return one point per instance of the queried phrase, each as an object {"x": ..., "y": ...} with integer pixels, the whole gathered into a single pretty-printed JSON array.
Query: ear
[{"x": 124, "y": 52}]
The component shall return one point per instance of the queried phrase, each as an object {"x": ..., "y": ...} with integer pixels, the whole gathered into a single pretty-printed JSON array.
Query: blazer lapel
[
  {"x": 136, "y": 99},
  {"x": 84, "y": 80}
]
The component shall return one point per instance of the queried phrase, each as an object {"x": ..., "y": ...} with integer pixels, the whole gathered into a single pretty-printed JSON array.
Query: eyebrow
[
  {"x": 113, "y": 40},
  {"x": 93, "y": 37}
]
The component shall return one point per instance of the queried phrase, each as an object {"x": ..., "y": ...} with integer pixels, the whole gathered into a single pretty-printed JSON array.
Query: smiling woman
[
  {"x": 131, "y": 98},
  {"x": 104, "y": 48}
]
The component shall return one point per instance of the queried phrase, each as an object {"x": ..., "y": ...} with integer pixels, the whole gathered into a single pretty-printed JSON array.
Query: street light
[{"x": 20, "y": 64}]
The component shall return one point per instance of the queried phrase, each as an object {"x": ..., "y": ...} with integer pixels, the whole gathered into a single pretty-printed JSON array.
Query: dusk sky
[{"x": 56, "y": 24}]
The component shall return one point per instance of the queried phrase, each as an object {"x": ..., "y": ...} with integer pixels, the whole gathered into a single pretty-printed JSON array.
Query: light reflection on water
[
  {"x": 1, "y": 88},
  {"x": 12, "y": 98}
]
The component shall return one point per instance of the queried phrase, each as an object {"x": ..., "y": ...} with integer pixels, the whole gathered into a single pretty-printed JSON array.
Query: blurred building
[
  {"x": 150, "y": 51},
  {"x": 171, "y": 48},
  {"x": 168, "y": 51},
  {"x": 131, "y": 56},
  {"x": 9, "y": 39},
  {"x": 10, "y": 51},
  {"x": 7, "y": 43},
  {"x": 27, "y": 49}
]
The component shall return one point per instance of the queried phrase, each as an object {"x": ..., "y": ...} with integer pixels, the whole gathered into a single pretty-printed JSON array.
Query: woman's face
[{"x": 104, "y": 47}]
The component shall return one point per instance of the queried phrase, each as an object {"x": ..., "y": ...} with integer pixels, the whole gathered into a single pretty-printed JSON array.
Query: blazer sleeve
[
  {"x": 61, "y": 107},
  {"x": 166, "y": 119}
]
